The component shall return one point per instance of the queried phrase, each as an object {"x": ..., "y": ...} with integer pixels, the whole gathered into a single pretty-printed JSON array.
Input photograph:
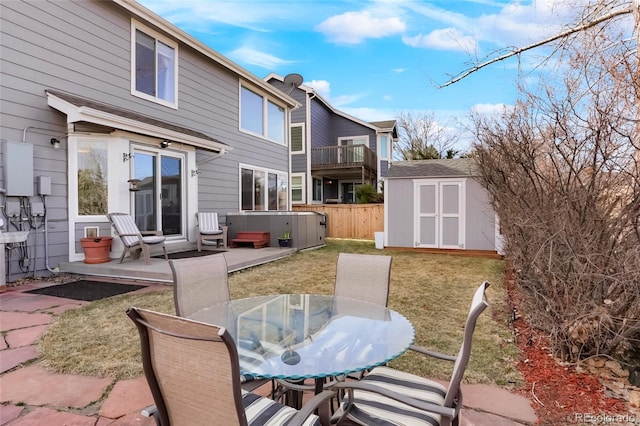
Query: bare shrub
[{"x": 562, "y": 168}]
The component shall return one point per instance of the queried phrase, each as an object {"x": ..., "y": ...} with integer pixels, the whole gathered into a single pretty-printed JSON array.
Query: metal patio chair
[
  {"x": 193, "y": 372},
  {"x": 391, "y": 397},
  {"x": 134, "y": 239},
  {"x": 201, "y": 282},
  {"x": 363, "y": 277},
  {"x": 208, "y": 229}
]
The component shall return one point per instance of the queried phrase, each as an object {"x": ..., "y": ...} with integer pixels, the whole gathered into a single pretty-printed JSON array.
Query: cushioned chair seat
[
  {"x": 266, "y": 412},
  {"x": 152, "y": 240},
  {"x": 211, "y": 232},
  {"x": 371, "y": 407}
]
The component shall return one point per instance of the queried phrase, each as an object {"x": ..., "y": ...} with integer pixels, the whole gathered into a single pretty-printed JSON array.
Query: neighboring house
[
  {"x": 332, "y": 152},
  {"x": 129, "y": 100},
  {"x": 439, "y": 204}
]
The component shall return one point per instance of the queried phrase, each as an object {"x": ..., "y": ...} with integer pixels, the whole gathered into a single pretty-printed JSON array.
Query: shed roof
[{"x": 454, "y": 167}]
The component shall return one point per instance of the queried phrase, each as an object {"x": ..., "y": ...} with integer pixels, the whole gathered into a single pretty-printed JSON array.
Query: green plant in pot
[{"x": 285, "y": 239}]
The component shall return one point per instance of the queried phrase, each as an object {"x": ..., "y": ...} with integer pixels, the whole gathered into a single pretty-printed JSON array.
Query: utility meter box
[{"x": 17, "y": 162}]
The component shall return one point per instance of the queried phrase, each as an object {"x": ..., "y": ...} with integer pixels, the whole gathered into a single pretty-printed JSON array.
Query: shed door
[{"x": 440, "y": 214}]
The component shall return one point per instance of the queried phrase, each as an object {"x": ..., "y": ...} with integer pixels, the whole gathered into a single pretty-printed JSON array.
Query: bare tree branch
[{"x": 548, "y": 40}]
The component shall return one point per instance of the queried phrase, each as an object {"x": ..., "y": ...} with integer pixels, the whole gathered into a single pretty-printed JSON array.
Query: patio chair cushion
[
  {"x": 371, "y": 407},
  {"x": 266, "y": 412},
  {"x": 218, "y": 232},
  {"x": 153, "y": 239}
]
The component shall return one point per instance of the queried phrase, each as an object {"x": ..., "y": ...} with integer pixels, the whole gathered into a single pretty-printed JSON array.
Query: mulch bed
[
  {"x": 86, "y": 290},
  {"x": 559, "y": 394}
]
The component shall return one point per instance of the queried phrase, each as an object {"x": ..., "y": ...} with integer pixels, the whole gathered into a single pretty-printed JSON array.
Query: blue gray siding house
[
  {"x": 96, "y": 94},
  {"x": 439, "y": 204},
  {"x": 332, "y": 152}
]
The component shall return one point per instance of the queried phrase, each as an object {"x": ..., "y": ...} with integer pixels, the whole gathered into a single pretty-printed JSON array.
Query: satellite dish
[{"x": 292, "y": 81}]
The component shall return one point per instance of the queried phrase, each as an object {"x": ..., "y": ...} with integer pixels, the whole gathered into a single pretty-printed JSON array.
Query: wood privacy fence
[{"x": 357, "y": 221}]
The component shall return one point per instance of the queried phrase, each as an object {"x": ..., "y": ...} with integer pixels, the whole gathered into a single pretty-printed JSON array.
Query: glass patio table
[{"x": 302, "y": 336}]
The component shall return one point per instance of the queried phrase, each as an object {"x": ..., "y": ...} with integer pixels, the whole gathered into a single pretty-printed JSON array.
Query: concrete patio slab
[
  {"x": 492, "y": 399},
  {"x": 27, "y": 302},
  {"x": 127, "y": 396},
  {"x": 13, "y": 320},
  {"x": 9, "y": 412},
  {"x": 12, "y": 358},
  {"x": 46, "y": 416},
  {"x": 25, "y": 336},
  {"x": 33, "y": 385}
]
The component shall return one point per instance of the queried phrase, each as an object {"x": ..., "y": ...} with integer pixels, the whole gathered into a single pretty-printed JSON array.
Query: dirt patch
[{"x": 560, "y": 395}]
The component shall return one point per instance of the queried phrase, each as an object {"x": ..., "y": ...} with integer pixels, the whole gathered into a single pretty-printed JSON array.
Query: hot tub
[{"x": 308, "y": 229}]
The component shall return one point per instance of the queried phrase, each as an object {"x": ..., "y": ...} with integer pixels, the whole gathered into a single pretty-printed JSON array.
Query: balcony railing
[{"x": 331, "y": 157}]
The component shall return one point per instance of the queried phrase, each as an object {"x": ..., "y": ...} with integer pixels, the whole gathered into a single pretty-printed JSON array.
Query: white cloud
[
  {"x": 444, "y": 39},
  {"x": 354, "y": 27},
  {"x": 249, "y": 55},
  {"x": 387, "y": 98},
  {"x": 323, "y": 87},
  {"x": 399, "y": 70},
  {"x": 490, "y": 109}
]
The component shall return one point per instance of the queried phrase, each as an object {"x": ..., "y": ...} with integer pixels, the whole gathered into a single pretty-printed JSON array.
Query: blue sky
[{"x": 376, "y": 59}]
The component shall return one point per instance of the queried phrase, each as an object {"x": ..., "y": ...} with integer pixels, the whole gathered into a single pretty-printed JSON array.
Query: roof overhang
[
  {"x": 147, "y": 15},
  {"x": 83, "y": 110}
]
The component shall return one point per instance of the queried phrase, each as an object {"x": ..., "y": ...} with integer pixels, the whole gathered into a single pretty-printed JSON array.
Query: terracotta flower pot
[{"x": 96, "y": 250}]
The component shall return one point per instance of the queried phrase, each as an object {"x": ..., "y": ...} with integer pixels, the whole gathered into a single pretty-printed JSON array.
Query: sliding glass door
[{"x": 159, "y": 200}]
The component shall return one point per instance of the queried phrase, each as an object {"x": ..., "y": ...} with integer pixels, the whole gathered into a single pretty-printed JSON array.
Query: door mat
[
  {"x": 187, "y": 254},
  {"x": 86, "y": 290}
]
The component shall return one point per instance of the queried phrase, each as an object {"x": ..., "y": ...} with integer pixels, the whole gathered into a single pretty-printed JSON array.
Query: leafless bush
[{"x": 563, "y": 171}]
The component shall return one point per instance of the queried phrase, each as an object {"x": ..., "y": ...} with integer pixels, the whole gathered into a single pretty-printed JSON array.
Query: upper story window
[
  {"x": 154, "y": 69},
  {"x": 296, "y": 138},
  {"x": 383, "y": 147},
  {"x": 261, "y": 116}
]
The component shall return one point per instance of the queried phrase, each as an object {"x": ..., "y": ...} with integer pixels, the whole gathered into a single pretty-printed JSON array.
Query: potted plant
[
  {"x": 96, "y": 249},
  {"x": 285, "y": 239}
]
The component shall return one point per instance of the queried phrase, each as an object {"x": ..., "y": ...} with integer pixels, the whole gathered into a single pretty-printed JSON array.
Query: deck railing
[{"x": 330, "y": 157}]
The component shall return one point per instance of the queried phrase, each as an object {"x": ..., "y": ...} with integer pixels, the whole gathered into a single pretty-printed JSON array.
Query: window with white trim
[
  {"x": 261, "y": 116},
  {"x": 297, "y": 188},
  {"x": 262, "y": 189},
  {"x": 154, "y": 66},
  {"x": 383, "y": 147},
  {"x": 296, "y": 138},
  {"x": 92, "y": 190}
]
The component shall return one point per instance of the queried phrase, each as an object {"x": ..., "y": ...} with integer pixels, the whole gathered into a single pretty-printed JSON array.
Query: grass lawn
[{"x": 432, "y": 290}]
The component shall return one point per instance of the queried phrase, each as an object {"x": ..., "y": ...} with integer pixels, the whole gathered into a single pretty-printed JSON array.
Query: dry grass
[{"x": 432, "y": 291}]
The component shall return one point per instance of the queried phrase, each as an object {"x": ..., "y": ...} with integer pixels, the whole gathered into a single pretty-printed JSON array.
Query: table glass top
[{"x": 298, "y": 336}]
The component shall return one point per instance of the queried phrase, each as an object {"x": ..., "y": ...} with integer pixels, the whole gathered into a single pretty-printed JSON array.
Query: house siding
[
  {"x": 83, "y": 48},
  {"x": 342, "y": 127},
  {"x": 321, "y": 129}
]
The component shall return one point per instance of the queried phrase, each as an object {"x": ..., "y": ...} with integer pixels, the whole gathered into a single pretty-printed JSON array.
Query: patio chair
[
  {"x": 133, "y": 239},
  {"x": 208, "y": 229},
  {"x": 363, "y": 277},
  {"x": 399, "y": 398},
  {"x": 193, "y": 373},
  {"x": 200, "y": 282}
]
